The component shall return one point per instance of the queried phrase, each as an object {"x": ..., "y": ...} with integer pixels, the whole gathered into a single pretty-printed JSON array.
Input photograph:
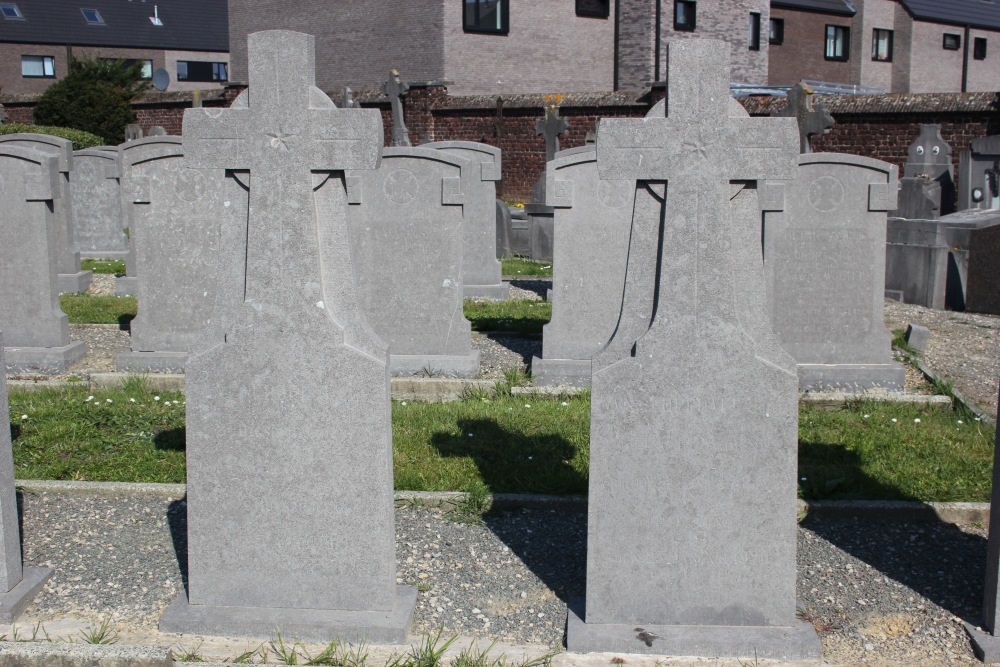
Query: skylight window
[
  {"x": 92, "y": 16},
  {"x": 10, "y": 11}
]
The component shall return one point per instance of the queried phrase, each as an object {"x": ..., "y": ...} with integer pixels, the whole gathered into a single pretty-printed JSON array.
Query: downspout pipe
[{"x": 965, "y": 61}]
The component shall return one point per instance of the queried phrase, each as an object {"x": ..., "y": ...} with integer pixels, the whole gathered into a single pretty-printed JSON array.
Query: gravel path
[{"x": 878, "y": 593}]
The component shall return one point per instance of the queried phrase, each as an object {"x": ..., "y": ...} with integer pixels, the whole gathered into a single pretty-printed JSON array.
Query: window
[
  {"x": 838, "y": 42},
  {"x": 147, "y": 65},
  {"x": 979, "y": 48},
  {"x": 684, "y": 11},
  {"x": 38, "y": 66},
  {"x": 599, "y": 8},
  {"x": 776, "y": 31},
  {"x": 753, "y": 37},
  {"x": 10, "y": 11},
  {"x": 485, "y": 16},
  {"x": 882, "y": 45},
  {"x": 92, "y": 16},
  {"x": 193, "y": 70},
  {"x": 952, "y": 42}
]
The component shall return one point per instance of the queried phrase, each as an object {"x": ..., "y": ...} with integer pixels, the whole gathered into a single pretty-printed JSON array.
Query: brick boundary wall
[{"x": 878, "y": 126}]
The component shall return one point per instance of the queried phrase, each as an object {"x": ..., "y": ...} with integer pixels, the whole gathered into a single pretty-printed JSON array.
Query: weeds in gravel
[
  {"x": 93, "y": 309},
  {"x": 429, "y": 653},
  {"x": 38, "y": 634},
  {"x": 111, "y": 266},
  {"x": 102, "y": 634},
  {"x": 248, "y": 657},
  {"x": 514, "y": 316},
  {"x": 188, "y": 655}
]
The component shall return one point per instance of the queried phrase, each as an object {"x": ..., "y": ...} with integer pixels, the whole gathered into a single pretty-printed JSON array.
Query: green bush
[
  {"x": 79, "y": 138},
  {"x": 96, "y": 96}
]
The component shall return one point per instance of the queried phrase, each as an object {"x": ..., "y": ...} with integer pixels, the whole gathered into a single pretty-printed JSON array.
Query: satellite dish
[{"x": 161, "y": 79}]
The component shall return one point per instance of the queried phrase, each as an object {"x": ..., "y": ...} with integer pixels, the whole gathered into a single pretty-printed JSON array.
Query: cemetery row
[{"x": 295, "y": 253}]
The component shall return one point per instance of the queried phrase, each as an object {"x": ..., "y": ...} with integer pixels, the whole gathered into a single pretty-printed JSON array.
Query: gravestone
[
  {"x": 96, "y": 188},
  {"x": 396, "y": 90},
  {"x": 919, "y": 199},
  {"x": 133, "y": 131},
  {"x": 481, "y": 270},
  {"x": 540, "y": 216},
  {"x": 982, "y": 280},
  {"x": 593, "y": 218},
  {"x": 824, "y": 262},
  {"x": 157, "y": 131},
  {"x": 347, "y": 100},
  {"x": 175, "y": 215},
  {"x": 71, "y": 278},
  {"x": 979, "y": 174},
  {"x": 408, "y": 236},
  {"x": 916, "y": 261},
  {"x": 35, "y": 328},
  {"x": 288, "y": 420},
  {"x": 18, "y": 585},
  {"x": 811, "y": 119},
  {"x": 930, "y": 156},
  {"x": 503, "y": 229},
  {"x": 693, "y": 400}
]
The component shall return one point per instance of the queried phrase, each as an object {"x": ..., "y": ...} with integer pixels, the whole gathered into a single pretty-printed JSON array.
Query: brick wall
[
  {"x": 802, "y": 54},
  {"x": 728, "y": 20}
]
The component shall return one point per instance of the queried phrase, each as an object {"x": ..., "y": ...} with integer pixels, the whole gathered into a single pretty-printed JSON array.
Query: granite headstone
[
  {"x": 916, "y": 261},
  {"x": 96, "y": 188},
  {"x": 979, "y": 174},
  {"x": 930, "y": 156}
]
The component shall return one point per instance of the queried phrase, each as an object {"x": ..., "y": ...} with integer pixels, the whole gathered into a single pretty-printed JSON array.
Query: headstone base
[
  {"x": 151, "y": 361},
  {"x": 984, "y": 645},
  {"x": 322, "y": 625},
  {"x": 14, "y": 601},
  {"x": 126, "y": 286},
  {"x": 851, "y": 378},
  {"x": 45, "y": 360},
  {"x": 105, "y": 254},
  {"x": 74, "y": 283},
  {"x": 435, "y": 364},
  {"x": 499, "y": 292},
  {"x": 553, "y": 372},
  {"x": 797, "y": 641}
]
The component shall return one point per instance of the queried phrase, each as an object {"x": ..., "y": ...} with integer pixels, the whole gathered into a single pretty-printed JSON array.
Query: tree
[{"x": 96, "y": 96}]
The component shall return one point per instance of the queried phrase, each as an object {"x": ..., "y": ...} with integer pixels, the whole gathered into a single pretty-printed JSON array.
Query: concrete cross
[
  {"x": 347, "y": 100},
  {"x": 812, "y": 120},
  {"x": 281, "y": 129},
  {"x": 396, "y": 90},
  {"x": 551, "y": 127}
]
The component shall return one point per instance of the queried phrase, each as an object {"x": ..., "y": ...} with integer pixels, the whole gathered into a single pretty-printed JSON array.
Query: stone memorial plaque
[
  {"x": 693, "y": 400},
  {"x": 824, "y": 261},
  {"x": 593, "y": 220},
  {"x": 481, "y": 269},
  {"x": 71, "y": 278},
  {"x": 36, "y": 330},
  {"x": 288, "y": 432},
  {"x": 96, "y": 188},
  {"x": 408, "y": 234},
  {"x": 176, "y": 215}
]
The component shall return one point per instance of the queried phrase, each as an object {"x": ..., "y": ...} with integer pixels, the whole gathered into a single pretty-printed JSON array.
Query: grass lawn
[
  {"x": 114, "y": 266},
  {"x": 90, "y": 309},
  {"x": 857, "y": 451},
  {"x": 520, "y": 266},
  {"x": 515, "y": 316}
]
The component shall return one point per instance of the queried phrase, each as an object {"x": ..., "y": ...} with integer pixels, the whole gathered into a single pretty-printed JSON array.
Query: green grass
[
  {"x": 115, "y": 266},
  {"x": 520, "y": 266},
  {"x": 90, "y": 309},
  {"x": 516, "y": 315},
  {"x": 856, "y": 451}
]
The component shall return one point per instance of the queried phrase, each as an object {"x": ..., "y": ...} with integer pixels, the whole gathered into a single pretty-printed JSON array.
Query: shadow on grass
[
  {"x": 834, "y": 472},
  {"x": 15, "y": 431},
  {"x": 171, "y": 440}
]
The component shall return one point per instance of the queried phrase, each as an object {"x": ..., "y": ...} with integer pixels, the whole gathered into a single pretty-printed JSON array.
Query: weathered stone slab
[
  {"x": 288, "y": 434},
  {"x": 916, "y": 261},
  {"x": 979, "y": 174},
  {"x": 824, "y": 262},
  {"x": 593, "y": 220},
  {"x": 176, "y": 215},
  {"x": 481, "y": 269},
  {"x": 96, "y": 188},
  {"x": 693, "y": 398},
  {"x": 408, "y": 239},
  {"x": 35, "y": 328},
  {"x": 983, "y": 282},
  {"x": 71, "y": 278}
]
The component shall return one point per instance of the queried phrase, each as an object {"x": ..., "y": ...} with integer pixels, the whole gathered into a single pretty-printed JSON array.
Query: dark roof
[
  {"x": 976, "y": 13},
  {"x": 843, "y": 7},
  {"x": 190, "y": 25}
]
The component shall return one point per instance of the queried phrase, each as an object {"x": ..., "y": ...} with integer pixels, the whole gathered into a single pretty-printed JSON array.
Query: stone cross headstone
[
  {"x": 811, "y": 118},
  {"x": 824, "y": 263},
  {"x": 693, "y": 400},
  {"x": 930, "y": 156},
  {"x": 133, "y": 131},
  {"x": 71, "y": 278},
  {"x": 18, "y": 584},
  {"x": 288, "y": 420},
  {"x": 176, "y": 216},
  {"x": 347, "y": 100},
  {"x": 408, "y": 221},
  {"x": 480, "y": 268},
  {"x": 593, "y": 218},
  {"x": 551, "y": 128},
  {"x": 396, "y": 89},
  {"x": 96, "y": 188},
  {"x": 36, "y": 329}
]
